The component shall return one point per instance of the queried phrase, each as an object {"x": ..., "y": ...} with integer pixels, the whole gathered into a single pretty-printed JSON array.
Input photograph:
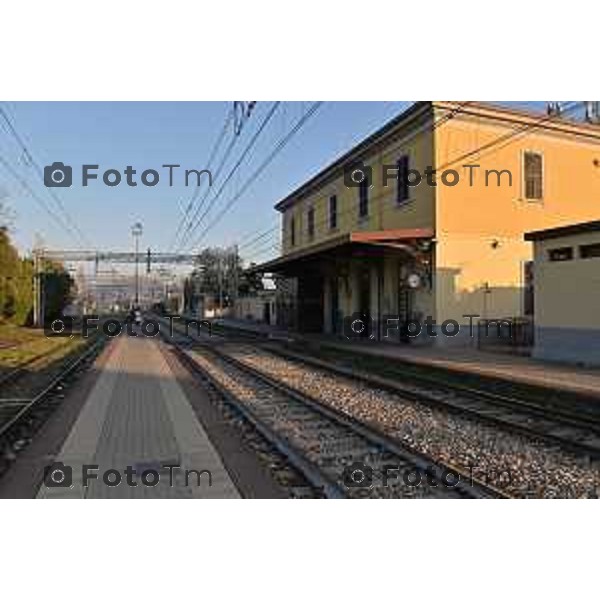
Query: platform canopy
[{"x": 356, "y": 243}]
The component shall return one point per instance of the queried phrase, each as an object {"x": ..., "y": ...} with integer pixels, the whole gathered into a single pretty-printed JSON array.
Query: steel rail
[
  {"x": 16, "y": 371},
  {"x": 573, "y": 439},
  {"x": 577, "y": 433},
  {"x": 385, "y": 444},
  {"x": 7, "y": 428}
]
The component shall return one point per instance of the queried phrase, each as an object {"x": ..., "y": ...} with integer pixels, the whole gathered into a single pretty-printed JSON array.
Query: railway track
[
  {"x": 521, "y": 464},
  {"x": 19, "y": 417},
  {"x": 547, "y": 455},
  {"x": 22, "y": 368},
  {"x": 338, "y": 454},
  {"x": 577, "y": 432}
]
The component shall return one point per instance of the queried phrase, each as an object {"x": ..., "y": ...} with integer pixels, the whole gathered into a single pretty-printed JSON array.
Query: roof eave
[
  {"x": 354, "y": 154},
  {"x": 564, "y": 231}
]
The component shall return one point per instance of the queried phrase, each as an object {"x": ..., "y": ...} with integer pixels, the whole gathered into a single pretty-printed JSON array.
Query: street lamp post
[{"x": 136, "y": 231}]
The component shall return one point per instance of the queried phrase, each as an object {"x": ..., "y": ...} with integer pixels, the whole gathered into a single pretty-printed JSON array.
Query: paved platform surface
[
  {"x": 491, "y": 364},
  {"x": 138, "y": 416}
]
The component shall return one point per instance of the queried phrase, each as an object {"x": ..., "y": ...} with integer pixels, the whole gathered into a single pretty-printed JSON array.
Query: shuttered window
[
  {"x": 293, "y": 231},
  {"x": 533, "y": 166},
  {"x": 402, "y": 189},
  {"x": 363, "y": 197},
  {"x": 560, "y": 254},
  {"x": 333, "y": 212},
  {"x": 589, "y": 251},
  {"x": 310, "y": 222}
]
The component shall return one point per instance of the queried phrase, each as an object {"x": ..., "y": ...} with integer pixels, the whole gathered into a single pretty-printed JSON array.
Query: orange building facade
[{"x": 364, "y": 236}]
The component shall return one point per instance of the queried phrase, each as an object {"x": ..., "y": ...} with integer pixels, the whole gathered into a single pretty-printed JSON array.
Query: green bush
[{"x": 16, "y": 285}]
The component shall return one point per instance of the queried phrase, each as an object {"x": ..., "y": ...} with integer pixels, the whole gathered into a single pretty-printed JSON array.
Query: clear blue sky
[{"x": 148, "y": 134}]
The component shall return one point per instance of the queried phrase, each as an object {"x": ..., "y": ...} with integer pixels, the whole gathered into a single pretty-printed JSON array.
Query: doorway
[
  {"x": 334, "y": 305},
  {"x": 364, "y": 298}
]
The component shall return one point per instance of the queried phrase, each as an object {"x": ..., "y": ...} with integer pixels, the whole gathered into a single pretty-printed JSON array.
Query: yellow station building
[{"x": 385, "y": 246}]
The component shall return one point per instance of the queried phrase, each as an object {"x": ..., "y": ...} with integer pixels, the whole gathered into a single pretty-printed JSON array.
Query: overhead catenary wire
[
  {"x": 200, "y": 206},
  {"x": 70, "y": 224},
  {"x": 243, "y": 241},
  {"x": 213, "y": 153},
  {"x": 570, "y": 107},
  {"x": 196, "y": 218},
  {"x": 249, "y": 237},
  {"x": 271, "y": 241},
  {"x": 262, "y": 247},
  {"x": 265, "y": 246},
  {"x": 436, "y": 124},
  {"x": 234, "y": 169},
  {"x": 30, "y": 191},
  {"x": 503, "y": 139},
  {"x": 278, "y": 148},
  {"x": 251, "y": 242}
]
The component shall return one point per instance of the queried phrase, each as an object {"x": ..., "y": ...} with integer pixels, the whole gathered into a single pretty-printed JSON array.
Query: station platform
[
  {"x": 137, "y": 416},
  {"x": 485, "y": 363}
]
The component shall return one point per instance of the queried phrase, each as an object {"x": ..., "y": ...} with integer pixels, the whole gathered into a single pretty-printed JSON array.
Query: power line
[
  {"x": 256, "y": 239},
  {"x": 215, "y": 149},
  {"x": 271, "y": 239},
  {"x": 502, "y": 139},
  {"x": 240, "y": 160},
  {"x": 31, "y": 160},
  {"x": 508, "y": 136},
  {"x": 435, "y": 125},
  {"x": 263, "y": 247},
  {"x": 248, "y": 238},
  {"x": 196, "y": 218},
  {"x": 253, "y": 140},
  {"x": 27, "y": 187},
  {"x": 281, "y": 144}
]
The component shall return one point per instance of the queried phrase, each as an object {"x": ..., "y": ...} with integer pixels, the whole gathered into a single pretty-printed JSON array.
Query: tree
[
  {"x": 219, "y": 271},
  {"x": 23, "y": 299},
  {"x": 16, "y": 294},
  {"x": 250, "y": 283},
  {"x": 16, "y": 285},
  {"x": 57, "y": 287}
]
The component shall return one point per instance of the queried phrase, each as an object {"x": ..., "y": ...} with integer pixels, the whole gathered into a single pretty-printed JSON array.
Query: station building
[
  {"x": 259, "y": 307},
  {"x": 453, "y": 245},
  {"x": 567, "y": 293}
]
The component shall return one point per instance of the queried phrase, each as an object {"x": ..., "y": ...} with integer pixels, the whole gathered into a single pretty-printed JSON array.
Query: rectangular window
[
  {"x": 363, "y": 197},
  {"x": 402, "y": 189},
  {"x": 333, "y": 212},
  {"x": 560, "y": 254},
  {"x": 310, "y": 222},
  {"x": 589, "y": 251},
  {"x": 533, "y": 167},
  {"x": 293, "y": 231},
  {"x": 529, "y": 289}
]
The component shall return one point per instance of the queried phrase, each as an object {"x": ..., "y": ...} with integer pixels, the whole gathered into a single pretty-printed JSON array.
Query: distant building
[
  {"x": 567, "y": 293},
  {"x": 260, "y": 307},
  {"x": 385, "y": 246}
]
